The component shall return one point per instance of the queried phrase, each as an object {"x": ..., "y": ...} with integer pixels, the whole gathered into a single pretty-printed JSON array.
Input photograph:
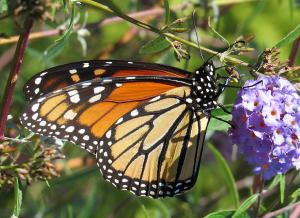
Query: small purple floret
[{"x": 267, "y": 125}]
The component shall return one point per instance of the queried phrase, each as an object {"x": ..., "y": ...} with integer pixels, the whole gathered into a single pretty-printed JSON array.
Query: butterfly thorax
[{"x": 204, "y": 86}]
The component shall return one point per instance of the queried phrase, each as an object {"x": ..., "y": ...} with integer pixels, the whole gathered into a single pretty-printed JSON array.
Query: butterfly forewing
[
  {"x": 59, "y": 77},
  {"x": 82, "y": 113}
]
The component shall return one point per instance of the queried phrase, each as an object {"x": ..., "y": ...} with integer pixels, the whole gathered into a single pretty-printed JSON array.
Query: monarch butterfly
[{"x": 145, "y": 123}]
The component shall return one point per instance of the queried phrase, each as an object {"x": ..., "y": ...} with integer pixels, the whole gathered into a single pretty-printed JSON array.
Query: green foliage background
[{"x": 83, "y": 192}]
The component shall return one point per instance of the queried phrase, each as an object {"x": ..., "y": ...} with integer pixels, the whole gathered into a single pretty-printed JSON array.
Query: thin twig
[
  {"x": 294, "y": 51},
  {"x": 281, "y": 210},
  {"x": 260, "y": 183},
  {"x": 296, "y": 212},
  {"x": 231, "y": 2},
  {"x": 13, "y": 76}
]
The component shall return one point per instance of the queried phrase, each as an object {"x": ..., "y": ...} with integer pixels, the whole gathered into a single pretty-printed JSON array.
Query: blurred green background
[{"x": 81, "y": 191}]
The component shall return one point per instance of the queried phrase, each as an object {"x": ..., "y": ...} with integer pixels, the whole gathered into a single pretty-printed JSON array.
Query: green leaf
[
  {"x": 218, "y": 125},
  {"x": 220, "y": 214},
  {"x": 18, "y": 199},
  {"x": 282, "y": 187},
  {"x": 167, "y": 11},
  {"x": 3, "y": 6},
  {"x": 156, "y": 45},
  {"x": 245, "y": 205},
  {"x": 229, "y": 179},
  {"x": 289, "y": 38},
  {"x": 160, "y": 206},
  {"x": 295, "y": 194},
  {"x": 274, "y": 182},
  {"x": 59, "y": 44},
  {"x": 144, "y": 211},
  {"x": 70, "y": 211},
  {"x": 226, "y": 214}
]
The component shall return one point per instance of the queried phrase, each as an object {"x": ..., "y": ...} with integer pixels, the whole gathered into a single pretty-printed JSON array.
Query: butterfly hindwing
[
  {"x": 65, "y": 75},
  {"x": 154, "y": 150}
]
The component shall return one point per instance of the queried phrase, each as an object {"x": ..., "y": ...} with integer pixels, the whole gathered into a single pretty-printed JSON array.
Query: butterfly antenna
[
  {"x": 195, "y": 29},
  {"x": 240, "y": 87}
]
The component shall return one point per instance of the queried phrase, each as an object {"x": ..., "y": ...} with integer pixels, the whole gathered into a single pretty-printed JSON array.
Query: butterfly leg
[
  {"x": 224, "y": 108},
  {"x": 217, "y": 118}
]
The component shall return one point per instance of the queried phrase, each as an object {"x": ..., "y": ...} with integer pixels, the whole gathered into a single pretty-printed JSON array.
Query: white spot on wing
[
  {"x": 70, "y": 129},
  {"x": 38, "y": 80},
  {"x": 87, "y": 84},
  {"x": 108, "y": 134},
  {"x": 120, "y": 120},
  {"x": 86, "y": 65},
  {"x": 41, "y": 99},
  {"x": 86, "y": 137},
  {"x": 43, "y": 74},
  {"x": 35, "y": 116},
  {"x": 95, "y": 98},
  {"x": 130, "y": 77},
  {"x": 72, "y": 92},
  {"x": 72, "y": 71},
  {"x": 134, "y": 113},
  {"x": 189, "y": 100},
  {"x": 35, "y": 107},
  {"x": 155, "y": 99},
  {"x": 75, "y": 98},
  {"x": 81, "y": 131},
  {"x": 98, "y": 89}
]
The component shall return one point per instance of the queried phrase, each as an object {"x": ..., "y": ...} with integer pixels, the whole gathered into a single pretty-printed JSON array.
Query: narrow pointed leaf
[
  {"x": 274, "y": 182},
  {"x": 245, "y": 205},
  {"x": 59, "y": 44},
  {"x": 229, "y": 179},
  {"x": 289, "y": 38},
  {"x": 156, "y": 45},
  {"x": 225, "y": 214},
  {"x": 296, "y": 194},
  {"x": 18, "y": 199},
  {"x": 282, "y": 188},
  {"x": 167, "y": 11}
]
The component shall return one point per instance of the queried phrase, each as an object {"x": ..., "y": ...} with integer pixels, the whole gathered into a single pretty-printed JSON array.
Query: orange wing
[{"x": 82, "y": 113}]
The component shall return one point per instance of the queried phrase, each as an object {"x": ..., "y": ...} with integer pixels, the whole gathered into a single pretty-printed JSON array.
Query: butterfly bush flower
[{"x": 267, "y": 125}]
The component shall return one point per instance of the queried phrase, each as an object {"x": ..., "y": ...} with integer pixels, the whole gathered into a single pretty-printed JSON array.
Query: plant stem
[
  {"x": 281, "y": 210},
  {"x": 13, "y": 76},
  {"x": 9, "y": 167},
  {"x": 257, "y": 188},
  {"x": 229, "y": 2},
  {"x": 158, "y": 31}
]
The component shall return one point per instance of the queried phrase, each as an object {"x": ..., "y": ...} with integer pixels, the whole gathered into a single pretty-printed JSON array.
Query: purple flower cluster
[{"x": 267, "y": 125}]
